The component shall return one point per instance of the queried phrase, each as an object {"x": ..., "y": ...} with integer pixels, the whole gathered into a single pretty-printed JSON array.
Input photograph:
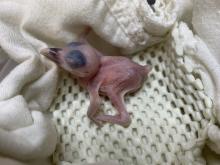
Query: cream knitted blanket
[{"x": 26, "y": 92}]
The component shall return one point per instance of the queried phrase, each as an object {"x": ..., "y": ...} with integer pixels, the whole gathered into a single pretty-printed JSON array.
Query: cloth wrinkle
[{"x": 117, "y": 20}]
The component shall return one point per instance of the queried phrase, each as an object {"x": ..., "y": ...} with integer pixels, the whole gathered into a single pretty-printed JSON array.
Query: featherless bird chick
[{"x": 113, "y": 76}]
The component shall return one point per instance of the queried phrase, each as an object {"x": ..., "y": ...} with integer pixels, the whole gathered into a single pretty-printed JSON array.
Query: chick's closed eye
[{"x": 75, "y": 59}]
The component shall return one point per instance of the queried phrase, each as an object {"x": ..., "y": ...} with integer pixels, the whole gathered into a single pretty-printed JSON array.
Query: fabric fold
[
  {"x": 28, "y": 86},
  {"x": 206, "y": 23},
  {"x": 35, "y": 141},
  {"x": 14, "y": 114}
]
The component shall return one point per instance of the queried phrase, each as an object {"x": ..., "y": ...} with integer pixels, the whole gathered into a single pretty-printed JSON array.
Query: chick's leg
[
  {"x": 94, "y": 103},
  {"x": 123, "y": 117}
]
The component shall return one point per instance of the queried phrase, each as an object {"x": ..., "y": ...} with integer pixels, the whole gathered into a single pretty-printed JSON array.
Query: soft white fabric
[
  {"x": 10, "y": 161},
  {"x": 5, "y": 67},
  {"x": 185, "y": 10},
  {"x": 206, "y": 22}
]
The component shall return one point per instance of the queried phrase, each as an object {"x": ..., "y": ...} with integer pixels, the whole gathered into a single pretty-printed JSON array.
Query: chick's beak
[{"x": 51, "y": 53}]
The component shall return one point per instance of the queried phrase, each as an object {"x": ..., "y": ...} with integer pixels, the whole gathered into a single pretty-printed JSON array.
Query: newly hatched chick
[{"x": 113, "y": 76}]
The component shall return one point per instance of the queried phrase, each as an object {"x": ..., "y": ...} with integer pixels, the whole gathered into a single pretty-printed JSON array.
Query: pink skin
[{"x": 113, "y": 76}]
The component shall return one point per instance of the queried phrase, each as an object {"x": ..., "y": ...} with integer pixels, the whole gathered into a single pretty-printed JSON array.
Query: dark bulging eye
[
  {"x": 151, "y": 2},
  {"x": 75, "y": 59}
]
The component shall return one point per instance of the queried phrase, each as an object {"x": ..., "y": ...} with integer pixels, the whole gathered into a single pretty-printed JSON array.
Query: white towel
[{"x": 206, "y": 22}]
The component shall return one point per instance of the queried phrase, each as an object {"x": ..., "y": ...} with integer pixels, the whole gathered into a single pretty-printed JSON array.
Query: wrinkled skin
[{"x": 113, "y": 76}]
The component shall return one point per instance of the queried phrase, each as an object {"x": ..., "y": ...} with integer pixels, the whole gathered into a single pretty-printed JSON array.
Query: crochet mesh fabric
[{"x": 170, "y": 114}]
